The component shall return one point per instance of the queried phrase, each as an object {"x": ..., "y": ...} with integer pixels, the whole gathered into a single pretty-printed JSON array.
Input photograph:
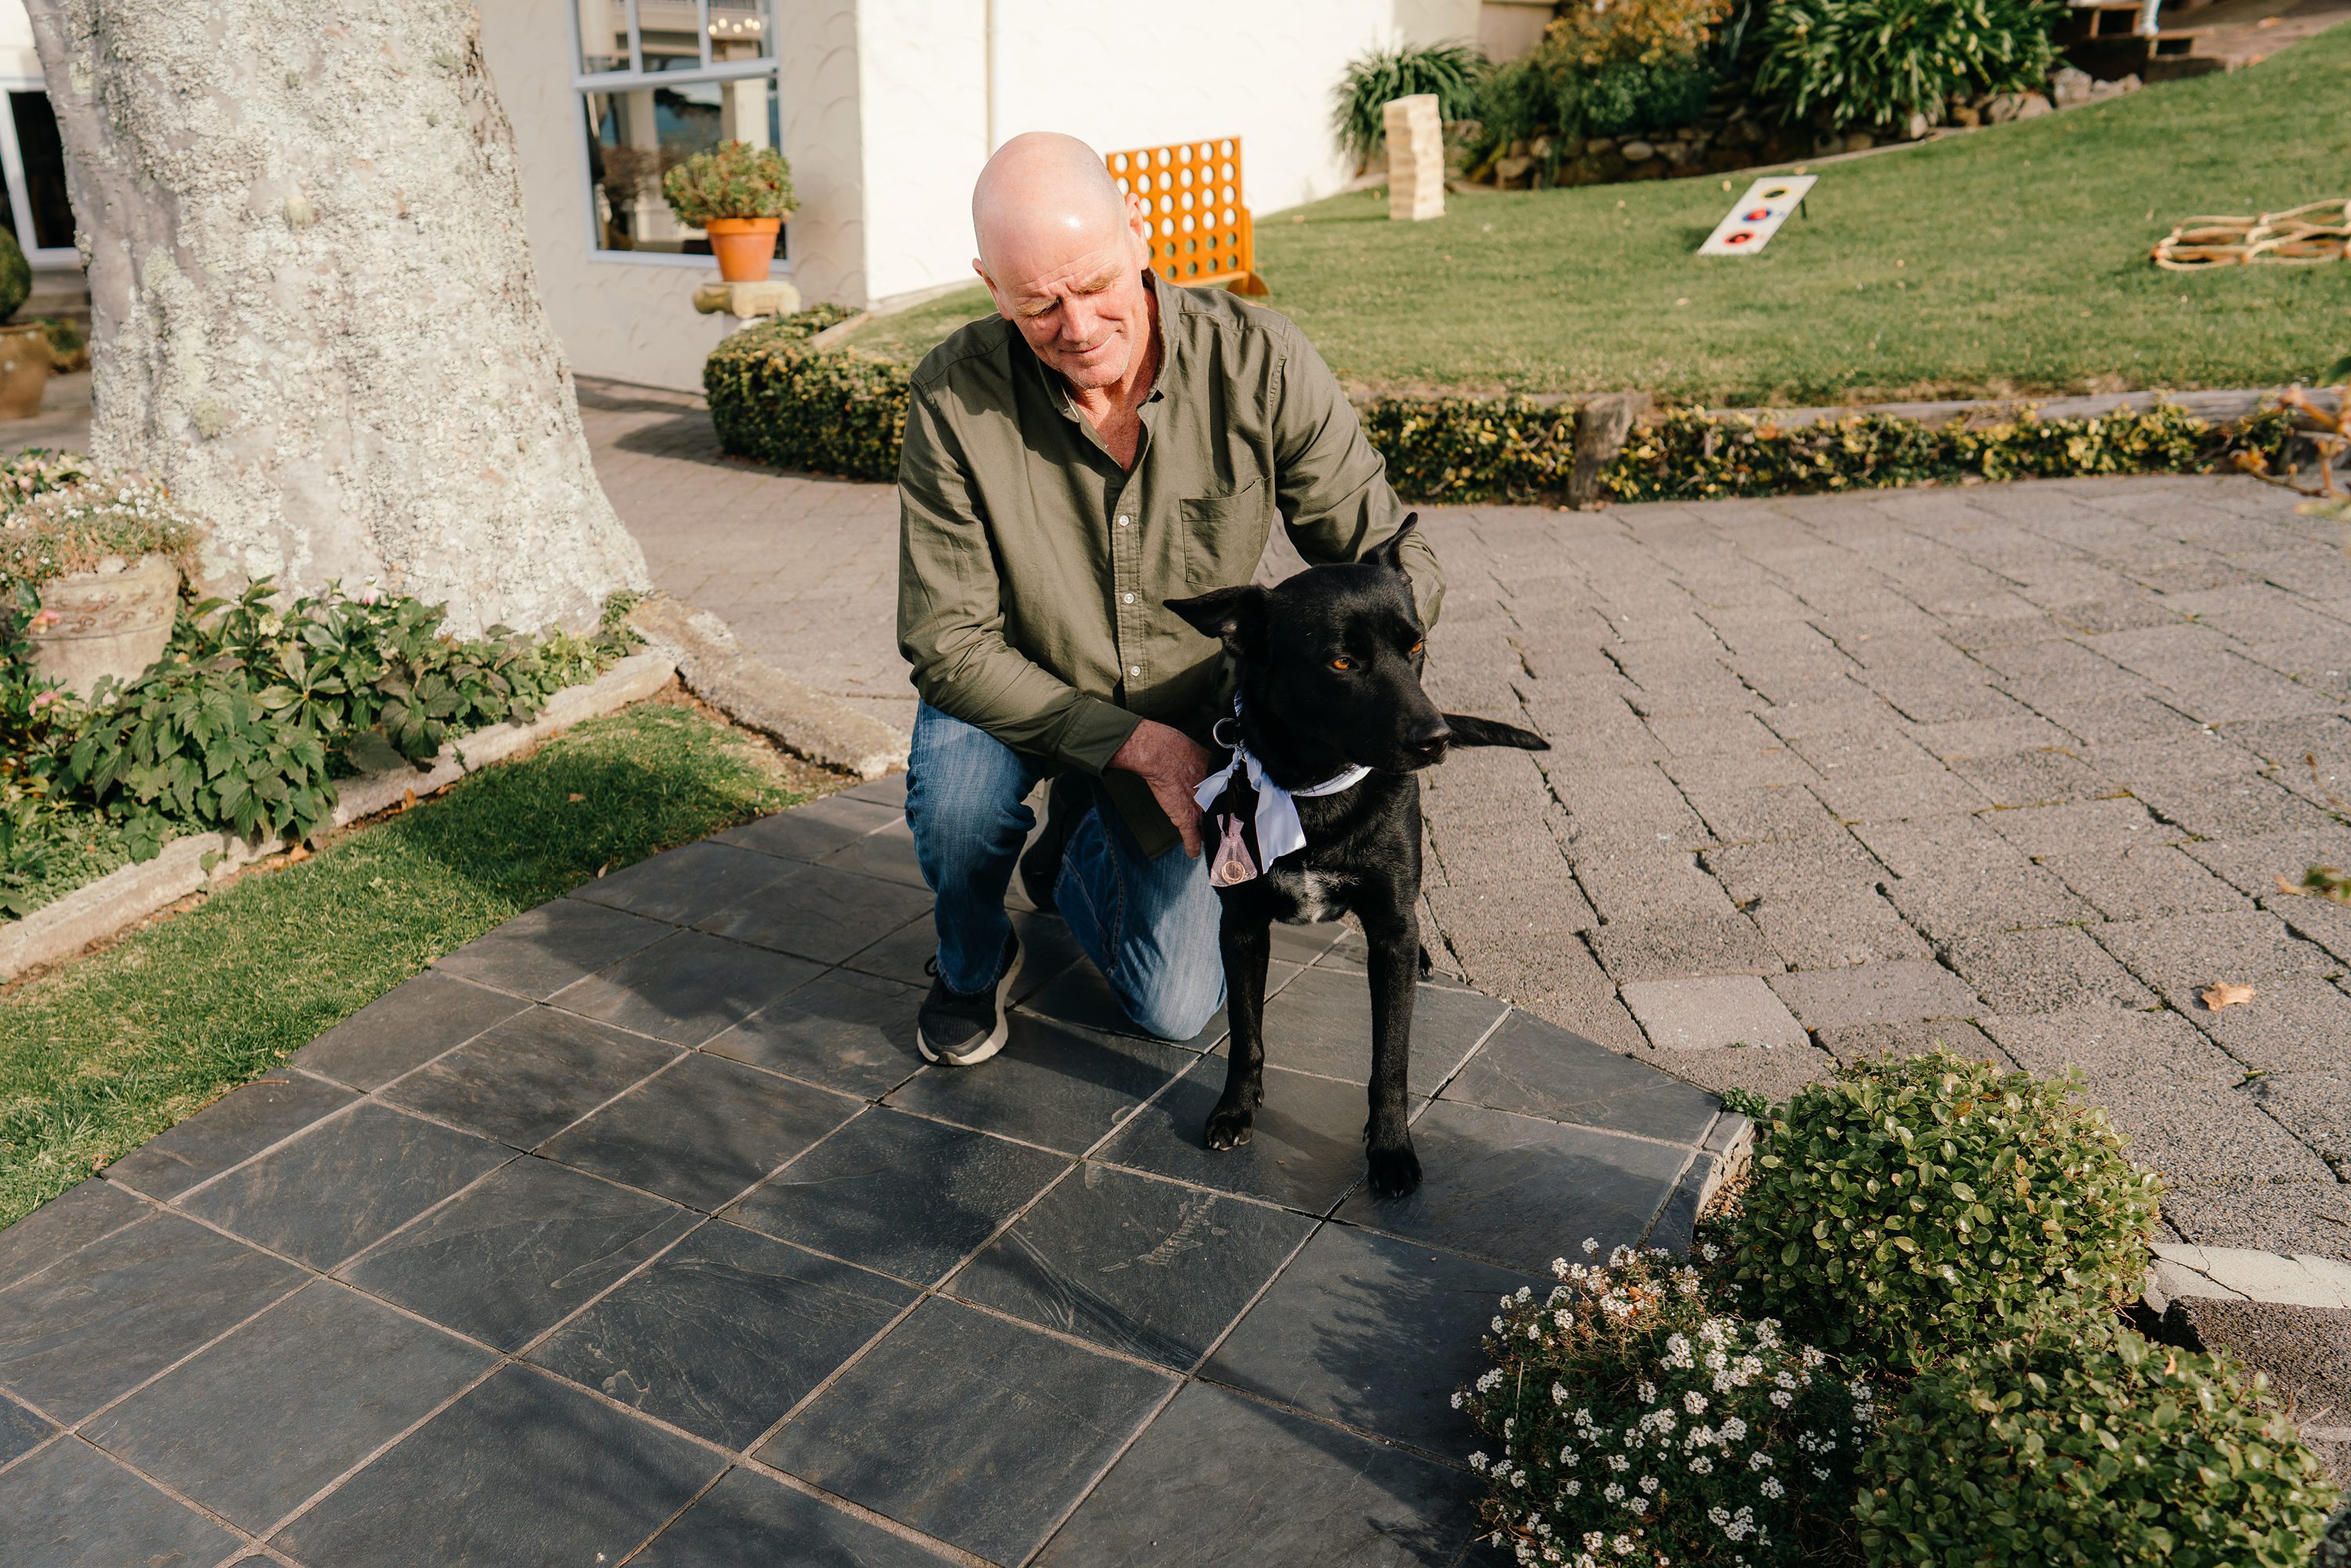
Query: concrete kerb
[
  {"x": 758, "y": 696},
  {"x": 192, "y": 862},
  {"x": 2184, "y": 1272}
]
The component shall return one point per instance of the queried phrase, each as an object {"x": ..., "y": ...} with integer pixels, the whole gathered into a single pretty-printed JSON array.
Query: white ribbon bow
[{"x": 1279, "y": 831}]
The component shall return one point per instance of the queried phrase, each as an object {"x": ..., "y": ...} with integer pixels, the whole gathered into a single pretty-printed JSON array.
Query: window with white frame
[
  {"x": 32, "y": 159},
  {"x": 660, "y": 81}
]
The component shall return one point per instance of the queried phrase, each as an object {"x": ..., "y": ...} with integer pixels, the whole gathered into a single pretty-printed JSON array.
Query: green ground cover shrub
[
  {"x": 99, "y": 1055},
  {"x": 1601, "y": 70},
  {"x": 1638, "y": 1423},
  {"x": 1878, "y": 62},
  {"x": 1903, "y": 1210},
  {"x": 2072, "y": 1454},
  {"x": 774, "y": 398},
  {"x": 1692, "y": 455},
  {"x": 1452, "y": 71}
]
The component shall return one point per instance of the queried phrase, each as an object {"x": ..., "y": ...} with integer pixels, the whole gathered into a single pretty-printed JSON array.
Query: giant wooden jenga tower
[{"x": 1416, "y": 157}]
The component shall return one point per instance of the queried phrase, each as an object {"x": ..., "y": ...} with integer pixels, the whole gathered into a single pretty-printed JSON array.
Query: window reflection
[
  {"x": 636, "y": 135},
  {"x": 44, "y": 156}
]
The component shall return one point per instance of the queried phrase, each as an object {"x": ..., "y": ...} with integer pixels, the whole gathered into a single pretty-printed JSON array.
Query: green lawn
[
  {"x": 2009, "y": 260},
  {"x": 103, "y": 1053}
]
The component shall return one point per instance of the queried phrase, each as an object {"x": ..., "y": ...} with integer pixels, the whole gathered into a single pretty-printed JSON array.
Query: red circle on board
[
  {"x": 1757, "y": 216},
  {"x": 1737, "y": 239}
]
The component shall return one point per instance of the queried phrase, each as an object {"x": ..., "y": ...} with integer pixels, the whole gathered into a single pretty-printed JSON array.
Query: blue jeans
[{"x": 1150, "y": 926}]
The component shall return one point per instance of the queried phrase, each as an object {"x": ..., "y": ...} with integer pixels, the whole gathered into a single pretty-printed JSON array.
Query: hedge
[{"x": 827, "y": 411}]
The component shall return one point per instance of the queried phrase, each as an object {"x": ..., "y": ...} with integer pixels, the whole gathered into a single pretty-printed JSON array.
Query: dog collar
[{"x": 1279, "y": 831}]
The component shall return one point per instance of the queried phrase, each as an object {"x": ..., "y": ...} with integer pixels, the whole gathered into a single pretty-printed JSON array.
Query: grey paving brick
[
  {"x": 1810, "y": 869},
  {"x": 2147, "y": 883},
  {"x": 2289, "y": 1026},
  {"x": 1706, "y": 1014},
  {"x": 2238, "y": 806},
  {"x": 1835, "y": 932},
  {"x": 1773, "y": 1072},
  {"x": 2050, "y": 970},
  {"x": 1874, "y": 993},
  {"x": 2113, "y": 1044},
  {"x": 2276, "y": 1216},
  {"x": 2114, "y": 825},
  {"x": 1983, "y": 901},
  {"x": 2252, "y": 864},
  {"x": 1914, "y": 1036},
  {"x": 2316, "y": 1107},
  {"x": 2200, "y": 949},
  {"x": 2319, "y": 920},
  {"x": 1767, "y": 813},
  {"x": 1679, "y": 946},
  {"x": 1648, "y": 884},
  {"x": 1899, "y": 797}
]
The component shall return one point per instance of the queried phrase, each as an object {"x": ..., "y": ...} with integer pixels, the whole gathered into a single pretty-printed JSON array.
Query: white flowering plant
[
  {"x": 1638, "y": 1424},
  {"x": 55, "y": 520}
]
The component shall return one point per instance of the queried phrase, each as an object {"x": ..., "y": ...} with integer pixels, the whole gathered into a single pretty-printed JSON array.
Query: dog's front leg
[
  {"x": 1246, "y": 942},
  {"x": 1394, "y": 958}
]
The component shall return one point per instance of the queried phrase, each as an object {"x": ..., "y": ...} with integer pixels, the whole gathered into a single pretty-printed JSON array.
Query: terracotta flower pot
[
  {"x": 94, "y": 623},
  {"x": 745, "y": 248},
  {"x": 24, "y": 370}
]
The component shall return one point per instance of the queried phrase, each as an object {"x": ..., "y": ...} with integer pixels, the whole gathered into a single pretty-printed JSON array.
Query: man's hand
[{"x": 1173, "y": 764}]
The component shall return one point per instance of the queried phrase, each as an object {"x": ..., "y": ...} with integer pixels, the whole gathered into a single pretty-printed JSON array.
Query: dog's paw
[
  {"x": 1395, "y": 1173},
  {"x": 1229, "y": 1126}
]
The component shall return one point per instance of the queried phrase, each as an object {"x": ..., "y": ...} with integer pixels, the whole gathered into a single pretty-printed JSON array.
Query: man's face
[{"x": 1079, "y": 298}]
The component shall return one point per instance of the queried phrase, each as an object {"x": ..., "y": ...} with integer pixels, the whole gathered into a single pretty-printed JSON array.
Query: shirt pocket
[{"x": 1223, "y": 537}]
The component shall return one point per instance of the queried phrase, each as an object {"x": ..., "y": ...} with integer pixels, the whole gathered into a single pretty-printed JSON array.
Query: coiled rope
[{"x": 2301, "y": 236}]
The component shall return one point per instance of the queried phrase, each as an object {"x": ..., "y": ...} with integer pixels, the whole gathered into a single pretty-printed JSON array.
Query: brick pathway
[
  {"x": 2015, "y": 768},
  {"x": 639, "y": 1219}
]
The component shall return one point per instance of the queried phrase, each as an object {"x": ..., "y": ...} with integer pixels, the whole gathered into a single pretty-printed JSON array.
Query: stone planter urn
[
  {"x": 114, "y": 621},
  {"x": 24, "y": 370}
]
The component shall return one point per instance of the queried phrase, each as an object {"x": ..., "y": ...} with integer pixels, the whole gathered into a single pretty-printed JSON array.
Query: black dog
[{"x": 1329, "y": 684}]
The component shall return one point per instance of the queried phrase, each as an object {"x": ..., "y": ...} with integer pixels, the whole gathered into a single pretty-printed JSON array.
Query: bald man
[{"x": 1103, "y": 443}]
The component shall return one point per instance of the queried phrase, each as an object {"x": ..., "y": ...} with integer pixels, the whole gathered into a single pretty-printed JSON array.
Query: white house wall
[{"x": 1115, "y": 73}]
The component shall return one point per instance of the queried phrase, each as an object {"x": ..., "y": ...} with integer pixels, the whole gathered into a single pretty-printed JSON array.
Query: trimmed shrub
[
  {"x": 2072, "y": 1454},
  {"x": 1637, "y": 1424},
  {"x": 1878, "y": 62},
  {"x": 774, "y": 398},
  {"x": 1451, "y": 71},
  {"x": 1906, "y": 1209},
  {"x": 16, "y": 275},
  {"x": 1692, "y": 455},
  {"x": 733, "y": 180},
  {"x": 1595, "y": 33},
  {"x": 1473, "y": 449}
]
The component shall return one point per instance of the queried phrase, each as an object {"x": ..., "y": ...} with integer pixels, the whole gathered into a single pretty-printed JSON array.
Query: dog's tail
[{"x": 1470, "y": 731}]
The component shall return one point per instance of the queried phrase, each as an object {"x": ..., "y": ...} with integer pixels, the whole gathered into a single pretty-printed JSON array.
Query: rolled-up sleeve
[
  {"x": 951, "y": 616},
  {"x": 1331, "y": 486}
]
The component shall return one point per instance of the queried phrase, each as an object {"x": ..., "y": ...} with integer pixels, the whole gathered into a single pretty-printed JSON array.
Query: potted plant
[
  {"x": 25, "y": 361},
  {"x": 739, "y": 195},
  {"x": 105, "y": 561}
]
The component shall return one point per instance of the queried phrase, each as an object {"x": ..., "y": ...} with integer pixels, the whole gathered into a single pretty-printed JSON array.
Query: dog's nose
[{"x": 1430, "y": 736}]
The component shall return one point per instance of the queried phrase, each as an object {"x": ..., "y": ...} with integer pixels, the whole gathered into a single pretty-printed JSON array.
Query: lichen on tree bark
[{"x": 313, "y": 310}]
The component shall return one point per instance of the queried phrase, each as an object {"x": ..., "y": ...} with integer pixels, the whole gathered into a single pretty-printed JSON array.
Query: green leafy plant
[
  {"x": 1451, "y": 71},
  {"x": 1638, "y": 1424},
  {"x": 55, "y": 519},
  {"x": 1877, "y": 62},
  {"x": 1545, "y": 101},
  {"x": 68, "y": 345},
  {"x": 733, "y": 180},
  {"x": 258, "y": 705},
  {"x": 774, "y": 398},
  {"x": 1909, "y": 1208},
  {"x": 16, "y": 275},
  {"x": 1594, "y": 33},
  {"x": 35, "y": 715},
  {"x": 2071, "y": 1454},
  {"x": 1691, "y": 455}
]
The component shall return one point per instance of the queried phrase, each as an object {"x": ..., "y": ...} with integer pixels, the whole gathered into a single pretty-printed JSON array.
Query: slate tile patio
[{"x": 476, "y": 1280}]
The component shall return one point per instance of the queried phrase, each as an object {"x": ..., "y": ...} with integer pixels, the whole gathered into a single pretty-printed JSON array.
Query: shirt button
[
  {"x": 1128, "y": 598},
  {"x": 1124, "y": 519},
  {"x": 1134, "y": 669}
]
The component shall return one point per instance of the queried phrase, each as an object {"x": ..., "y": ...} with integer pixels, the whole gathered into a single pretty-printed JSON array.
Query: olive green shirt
[{"x": 1032, "y": 568}]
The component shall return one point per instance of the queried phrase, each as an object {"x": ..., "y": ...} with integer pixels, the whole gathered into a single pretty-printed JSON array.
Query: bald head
[
  {"x": 1043, "y": 196},
  {"x": 1062, "y": 251}
]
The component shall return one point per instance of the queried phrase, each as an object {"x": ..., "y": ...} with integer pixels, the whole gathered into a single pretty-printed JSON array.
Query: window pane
[
  {"x": 603, "y": 35},
  {"x": 638, "y": 134},
  {"x": 45, "y": 170},
  {"x": 739, "y": 31},
  {"x": 666, "y": 32}
]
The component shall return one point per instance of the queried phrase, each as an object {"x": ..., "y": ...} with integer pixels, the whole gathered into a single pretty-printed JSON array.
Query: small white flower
[
  {"x": 1479, "y": 1462},
  {"x": 1700, "y": 1465},
  {"x": 1782, "y": 1398},
  {"x": 1649, "y": 1485},
  {"x": 1771, "y": 1486},
  {"x": 1613, "y": 1492},
  {"x": 1695, "y": 1403},
  {"x": 1572, "y": 1487},
  {"x": 1590, "y": 1246}
]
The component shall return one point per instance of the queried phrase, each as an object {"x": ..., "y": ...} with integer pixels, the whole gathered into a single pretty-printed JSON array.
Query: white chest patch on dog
[{"x": 1312, "y": 897}]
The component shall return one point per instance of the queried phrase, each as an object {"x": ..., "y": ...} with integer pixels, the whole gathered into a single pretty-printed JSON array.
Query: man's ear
[
  {"x": 1389, "y": 553},
  {"x": 1234, "y": 615}
]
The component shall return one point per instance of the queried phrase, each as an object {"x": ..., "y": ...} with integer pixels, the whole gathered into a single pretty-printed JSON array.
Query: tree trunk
[{"x": 314, "y": 315}]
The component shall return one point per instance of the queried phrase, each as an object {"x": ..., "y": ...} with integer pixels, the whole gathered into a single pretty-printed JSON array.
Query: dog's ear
[
  {"x": 1234, "y": 615},
  {"x": 1389, "y": 552}
]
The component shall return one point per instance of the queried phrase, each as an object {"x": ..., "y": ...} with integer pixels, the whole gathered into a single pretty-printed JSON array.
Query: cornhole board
[{"x": 1758, "y": 215}]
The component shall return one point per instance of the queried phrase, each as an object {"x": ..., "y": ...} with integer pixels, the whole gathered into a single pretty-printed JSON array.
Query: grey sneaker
[{"x": 959, "y": 1030}]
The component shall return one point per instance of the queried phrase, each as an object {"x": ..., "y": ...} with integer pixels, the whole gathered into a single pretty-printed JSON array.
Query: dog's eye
[
  {"x": 1416, "y": 648},
  {"x": 1342, "y": 663}
]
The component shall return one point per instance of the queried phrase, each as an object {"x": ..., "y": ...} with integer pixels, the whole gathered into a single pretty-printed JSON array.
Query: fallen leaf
[
  {"x": 2227, "y": 994},
  {"x": 2286, "y": 887},
  {"x": 575, "y": 797},
  {"x": 407, "y": 798},
  {"x": 298, "y": 854}
]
